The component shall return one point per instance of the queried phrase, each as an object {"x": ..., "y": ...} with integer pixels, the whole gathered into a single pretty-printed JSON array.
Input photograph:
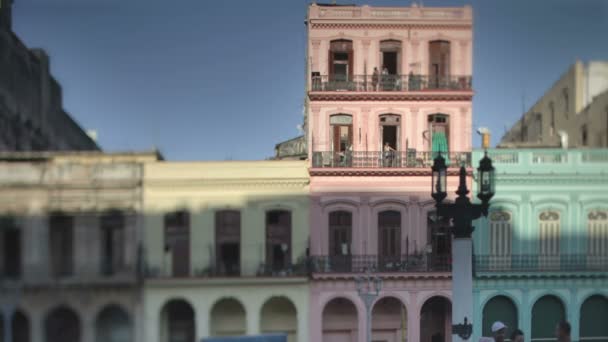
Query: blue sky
[{"x": 192, "y": 77}]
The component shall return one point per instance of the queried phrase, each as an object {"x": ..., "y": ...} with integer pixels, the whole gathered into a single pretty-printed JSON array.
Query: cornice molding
[
  {"x": 243, "y": 182},
  {"x": 570, "y": 179},
  {"x": 380, "y": 26},
  {"x": 392, "y": 96},
  {"x": 379, "y": 172},
  {"x": 541, "y": 276}
]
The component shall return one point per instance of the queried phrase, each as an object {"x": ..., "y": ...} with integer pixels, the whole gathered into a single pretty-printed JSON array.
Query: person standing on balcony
[
  {"x": 388, "y": 154},
  {"x": 375, "y": 79},
  {"x": 562, "y": 331}
]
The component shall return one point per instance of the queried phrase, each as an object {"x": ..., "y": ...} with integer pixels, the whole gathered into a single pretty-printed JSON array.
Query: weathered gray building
[
  {"x": 32, "y": 117},
  {"x": 574, "y": 107},
  {"x": 70, "y": 245}
]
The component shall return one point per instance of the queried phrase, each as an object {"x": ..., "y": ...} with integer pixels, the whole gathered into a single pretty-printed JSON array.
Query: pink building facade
[{"x": 388, "y": 89}]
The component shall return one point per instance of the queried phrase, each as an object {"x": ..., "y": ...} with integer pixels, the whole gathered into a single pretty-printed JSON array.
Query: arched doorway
[
  {"x": 499, "y": 308},
  {"x": 62, "y": 325},
  {"x": 546, "y": 313},
  {"x": 389, "y": 320},
  {"x": 436, "y": 320},
  {"x": 21, "y": 327},
  {"x": 228, "y": 318},
  {"x": 113, "y": 325},
  {"x": 177, "y": 322},
  {"x": 279, "y": 315},
  {"x": 594, "y": 312},
  {"x": 340, "y": 321}
]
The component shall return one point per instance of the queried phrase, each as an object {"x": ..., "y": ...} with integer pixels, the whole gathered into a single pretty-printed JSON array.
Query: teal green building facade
[{"x": 541, "y": 255}]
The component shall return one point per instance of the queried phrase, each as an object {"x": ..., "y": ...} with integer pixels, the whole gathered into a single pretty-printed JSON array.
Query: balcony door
[
  {"x": 228, "y": 242},
  {"x": 439, "y": 63},
  {"x": 389, "y": 240},
  {"x": 390, "y": 53},
  {"x": 341, "y": 126},
  {"x": 549, "y": 236},
  {"x": 340, "y": 62},
  {"x": 340, "y": 240},
  {"x": 278, "y": 240},
  {"x": 390, "y": 137},
  {"x": 177, "y": 240}
]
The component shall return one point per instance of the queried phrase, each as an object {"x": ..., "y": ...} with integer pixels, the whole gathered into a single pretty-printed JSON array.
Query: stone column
[
  {"x": 314, "y": 59},
  {"x": 302, "y": 315},
  {"x": 202, "y": 317},
  {"x": 413, "y": 129},
  {"x": 36, "y": 320},
  {"x": 315, "y": 315},
  {"x": 87, "y": 325},
  {"x": 464, "y": 64},
  {"x": 462, "y": 283},
  {"x": 413, "y": 319},
  {"x": 253, "y": 318},
  {"x": 365, "y": 124}
]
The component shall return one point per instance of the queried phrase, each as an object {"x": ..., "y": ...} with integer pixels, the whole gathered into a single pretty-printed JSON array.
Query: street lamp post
[
  {"x": 368, "y": 288},
  {"x": 462, "y": 212}
]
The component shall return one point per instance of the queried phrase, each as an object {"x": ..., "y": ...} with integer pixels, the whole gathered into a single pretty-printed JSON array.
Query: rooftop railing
[
  {"x": 392, "y": 159},
  {"x": 541, "y": 263},
  {"x": 389, "y": 83},
  {"x": 559, "y": 160}
]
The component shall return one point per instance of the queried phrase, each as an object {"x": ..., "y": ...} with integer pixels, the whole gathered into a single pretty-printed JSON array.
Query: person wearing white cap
[{"x": 499, "y": 330}]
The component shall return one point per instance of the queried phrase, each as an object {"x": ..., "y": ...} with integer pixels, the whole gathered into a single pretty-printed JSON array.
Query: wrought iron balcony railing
[
  {"x": 380, "y": 83},
  {"x": 376, "y": 263},
  {"x": 541, "y": 263},
  {"x": 222, "y": 270},
  {"x": 393, "y": 159}
]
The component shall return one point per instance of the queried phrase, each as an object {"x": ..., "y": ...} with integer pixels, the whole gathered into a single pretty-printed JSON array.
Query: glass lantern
[
  {"x": 439, "y": 179},
  {"x": 486, "y": 180}
]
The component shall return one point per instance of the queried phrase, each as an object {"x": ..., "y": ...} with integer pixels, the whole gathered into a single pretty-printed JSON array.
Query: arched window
[
  {"x": 228, "y": 242},
  {"x": 177, "y": 242},
  {"x": 593, "y": 325},
  {"x": 499, "y": 308},
  {"x": 546, "y": 313},
  {"x": 549, "y": 236},
  {"x": 439, "y": 64}
]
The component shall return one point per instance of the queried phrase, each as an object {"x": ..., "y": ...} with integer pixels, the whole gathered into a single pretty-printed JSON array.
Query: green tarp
[{"x": 439, "y": 143}]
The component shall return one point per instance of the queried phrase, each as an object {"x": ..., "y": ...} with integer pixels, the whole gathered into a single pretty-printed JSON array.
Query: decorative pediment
[
  {"x": 598, "y": 215},
  {"x": 549, "y": 216},
  {"x": 500, "y": 216}
]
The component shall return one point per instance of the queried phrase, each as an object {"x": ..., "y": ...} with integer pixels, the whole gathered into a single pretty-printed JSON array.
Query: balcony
[
  {"x": 393, "y": 159},
  {"x": 390, "y": 83},
  {"x": 533, "y": 263},
  {"x": 379, "y": 264},
  {"x": 232, "y": 270}
]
